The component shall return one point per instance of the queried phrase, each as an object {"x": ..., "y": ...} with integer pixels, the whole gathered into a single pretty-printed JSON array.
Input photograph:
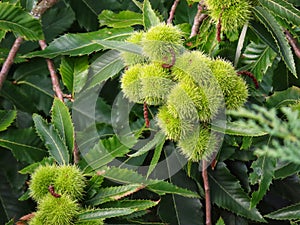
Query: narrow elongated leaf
[
  {"x": 15, "y": 19},
  {"x": 284, "y": 9},
  {"x": 227, "y": 193},
  {"x": 156, "y": 156},
  {"x": 150, "y": 19},
  {"x": 138, "y": 205},
  {"x": 56, "y": 21},
  {"x": 24, "y": 144},
  {"x": 62, "y": 122},
  {"x": 291, "y": 212},
  {"x": 263, "y": 173},
  {"x": 74, "y": 73},
  {"x": 54, "y": 143},
  {"x": 179, "y": 210},
  {"x": 4, "y": 53},
  {"x": 105, "y": 67},
  {"x": 239, "y": 129},
  {"x": 113, "y": 193},
  {"x": 121, "y": 46},
  {"x": 7, "y": 118},
  {"x": 81, "y": 44},
  {"x": 286, "y": 169},
  {"x": 158, "y": 138},
  {"x": 260, "y": 57},
  {"x": 121, "y": 19},
  {"x": 104, "y": 152},
  {"x": 126, "y": 176},
  {"x": 277, "y": 32},
  {"x": 104, "y": 213},
  {"x": 284, "y": 98}
]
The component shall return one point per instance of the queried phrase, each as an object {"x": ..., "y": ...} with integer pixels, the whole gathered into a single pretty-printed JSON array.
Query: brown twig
[
  {"x": 219, "y": 29},
  {"x": 293, "y": 43},
  {"x": 42, "y": 6},
  {"x": 9, "y": 60},
  {"x": 172, "y": 12},
  {"x": 146, "y": 115},
  {"x": 76, "y": 154},
  {"x": 207, "y": 192},
  {"x": 37, "y": 11},
  {"x": 54, "y": 78},
  {"x": 251, "y": 76},
  {"x": 197, "y": 20},
  {"x": 52, "y": 192}
]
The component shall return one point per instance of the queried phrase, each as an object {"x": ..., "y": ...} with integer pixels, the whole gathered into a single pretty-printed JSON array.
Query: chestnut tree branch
[
  {"x": 197, "y": 20},
  {"x": 52, "y": 70},
  {"x": 293, "y": 43},
  {"x": 207, "y": 193},
  {"x": 10, "y": 60},
  {"x": 172, "y": 12},
  {"x": 37, "y": 11}
]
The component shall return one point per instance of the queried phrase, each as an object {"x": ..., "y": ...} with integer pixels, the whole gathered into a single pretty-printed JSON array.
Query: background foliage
[{"x": 256, "y": 178}]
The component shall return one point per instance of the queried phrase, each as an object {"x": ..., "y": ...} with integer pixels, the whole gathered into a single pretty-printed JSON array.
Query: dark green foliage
[{"x": 126, "y": 172}]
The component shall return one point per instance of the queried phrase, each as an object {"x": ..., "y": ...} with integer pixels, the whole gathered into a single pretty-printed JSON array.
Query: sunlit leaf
[{"x": 121, "y": 19}]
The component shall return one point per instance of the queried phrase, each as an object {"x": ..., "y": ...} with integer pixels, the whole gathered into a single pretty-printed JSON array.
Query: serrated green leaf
[
  {"x": 24, "y": 144},
  {"x": 4, "y": 53},
  {"x": 179, "y": 210},
  {"x": 220, "y": 221},
  {"x": 163, "y": 187},
  {"x": 106, "y": 66},
  {"x": 62, "y": 122},
  {"x": 81, "y": 44},
  {"x": 86, "y": 13},
  {"x": 291, "y": 212},
  {"x": 263, "y": 173},
  {"x": 287, "y": 169},
  {"x": 7, "y": 117},
  {"x": 238, "y": 128},
  {"x": 32, "y": 167},
  {"x": 74, "y": 73},
  {"x": 138, "y": 205},
  {"x": 104, "y": 213},
  {"x": 104, "y": 152},
  {"x": 113, "y": 193},
  {"x": 277, "y": 33},
  {"x": 56, "y": 21},
  {"x": 227, "y": 193},
  {"x": 149, "y": 17},
  {"x": 158, "y": 138},
  {"x": 119, "y": 20},
  {"x": 283, "y": 9},
  {"x": 284, "y": 98},
  {"x": 156, "y": 156},
  {"x": 15, "y": 19},
  {"x": 126, "y": 176},
  {"x": 121, "y": 46},
  {"x": 260, "y": 57},
  {"x": 54, "y": 143}
]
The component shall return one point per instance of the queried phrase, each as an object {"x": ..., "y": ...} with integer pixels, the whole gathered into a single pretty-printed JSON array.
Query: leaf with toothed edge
[
  {"x": 54, "y": 143},
  {"x": 277, "y": 33},
  {"x": 291, "y": 212},
  {"x": 7, "y": 118},
  {"x": 227, "y": 193}
]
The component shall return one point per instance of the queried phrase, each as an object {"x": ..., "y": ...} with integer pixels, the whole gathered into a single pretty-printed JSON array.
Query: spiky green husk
[
  {"x": 132, "y": 58},
  {"x": 131, "y": 84},
  {"x": 234, "y": 13},
  {"x": 234, "y": 88},
  {"x": 192, "y": 66},
  {"x": 173, "y": 127},
  {"x": 70, "y": 181},
  {"x": 161, "y": 42},
  {"x": 41, "y": 179},
  {"x": 58, "y": 211},
  {"x": 156, "y": 84},
  {"x": 198, "y": 145}
]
